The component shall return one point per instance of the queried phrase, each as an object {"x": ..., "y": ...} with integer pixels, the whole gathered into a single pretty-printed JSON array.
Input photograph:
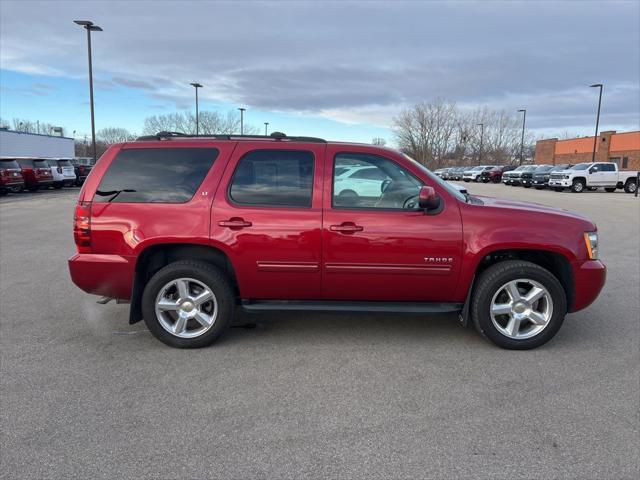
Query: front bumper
[
  {"x": 107, "y": 275},
  {"x": 589, "y": 277},
  {"x": 560, "y": 183}
]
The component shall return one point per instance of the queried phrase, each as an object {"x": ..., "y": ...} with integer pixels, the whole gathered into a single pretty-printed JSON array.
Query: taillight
[
  {"x": 59, "y": 169},
  {"x": 82, "y": 227}
]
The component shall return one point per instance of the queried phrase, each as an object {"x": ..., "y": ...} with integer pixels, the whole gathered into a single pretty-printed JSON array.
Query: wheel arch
[
  {"x": 555, "y": 262},
  {"x": 156, "y": 256}
]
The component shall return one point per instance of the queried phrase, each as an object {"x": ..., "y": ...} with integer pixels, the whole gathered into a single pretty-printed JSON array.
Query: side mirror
[
  {"x": 384, "y": 185},
  {"x": 428, "y": 199},
  {"x": 593, "y": 169}
]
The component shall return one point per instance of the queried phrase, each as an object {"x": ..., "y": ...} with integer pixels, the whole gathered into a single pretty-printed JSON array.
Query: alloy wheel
[
  {"x": 521, "y": 309},
  {"x": 186, "y": 308}
]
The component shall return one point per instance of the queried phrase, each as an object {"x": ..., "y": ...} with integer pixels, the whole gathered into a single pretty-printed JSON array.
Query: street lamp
[
  {"x": 266, "y": 126},
  {"x": 90, "y": 27},
  {"x": 242, "y": 120},
  {"x": 481, "y": 125},
  {"x": 524, "y": 119},
  {"x": 595, "y": 139},
  {"x": 197, "y": 86}
]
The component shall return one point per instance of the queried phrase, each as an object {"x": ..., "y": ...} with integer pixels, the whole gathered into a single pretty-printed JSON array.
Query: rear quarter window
[{"x": 155, "y": 175}]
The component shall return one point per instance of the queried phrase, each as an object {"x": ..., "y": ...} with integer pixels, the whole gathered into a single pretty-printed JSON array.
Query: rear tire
[
  {"x": 630, "y": 186},
  {"x": 163, "y": 287},
  {"x": 578, "y": 186},
  {"x": 493, "y": 291}
]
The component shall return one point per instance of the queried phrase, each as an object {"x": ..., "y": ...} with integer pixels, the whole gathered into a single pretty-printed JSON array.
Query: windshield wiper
[{"x": 114, "y": 193}]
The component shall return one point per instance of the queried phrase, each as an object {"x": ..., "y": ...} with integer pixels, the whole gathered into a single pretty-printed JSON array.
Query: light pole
[
  {"x": 481, "y": 125},
  {"x": 197, "y": 86},
  {"x": 90, "y": 27},
  {"x": 595, "y": 139},
  {"x": 266, "y": 126},
  {"x": 524, "y": 119},
  {"x": 242, "y": 120}
]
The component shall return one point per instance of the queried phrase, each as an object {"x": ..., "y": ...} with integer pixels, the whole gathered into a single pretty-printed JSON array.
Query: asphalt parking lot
[{"x": 85, "y": 395}]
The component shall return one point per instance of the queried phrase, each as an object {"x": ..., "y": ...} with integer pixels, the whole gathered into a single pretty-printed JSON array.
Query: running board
[{"x": 348, "y": 306}]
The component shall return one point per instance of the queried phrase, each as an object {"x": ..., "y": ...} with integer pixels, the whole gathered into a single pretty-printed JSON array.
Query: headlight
[{"x": 591, "y": 241}]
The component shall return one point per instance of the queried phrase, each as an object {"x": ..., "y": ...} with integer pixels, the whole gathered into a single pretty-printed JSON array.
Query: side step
[{"x": 348, "y": 306}]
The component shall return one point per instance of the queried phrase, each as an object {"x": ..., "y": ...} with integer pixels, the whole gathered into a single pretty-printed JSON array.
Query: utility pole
[
  {"x": 242, "y": 110},
  {"x": 197, "y": 86},
  {"x": 595, "y": 138},
  {"x": 481, "y": 125},
  {"x": 90, "y": 27},
  {"x": 266, "y": 126},
  {"x": 524, "y": 119}
]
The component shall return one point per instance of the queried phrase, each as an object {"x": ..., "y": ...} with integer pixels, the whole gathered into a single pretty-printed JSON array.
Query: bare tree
[
  {"x": 111, "y": 135},
  {"x": 381, "y": 142},
  {"x": 210, "y": 123},
  {"x": 427, "y": 131},
  {"x": 30, "y": 126}
]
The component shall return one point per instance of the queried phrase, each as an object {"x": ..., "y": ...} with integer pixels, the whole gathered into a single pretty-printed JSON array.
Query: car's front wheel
[
  {"x": 518, "y": 305},
  {"x": 188, "y": 304},
  {"x": 578, "y": 186}
]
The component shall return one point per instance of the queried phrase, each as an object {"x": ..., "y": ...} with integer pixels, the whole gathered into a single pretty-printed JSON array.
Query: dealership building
[
  {"x": 621, "y": 148},
  {"x": 23, "y": 144}
]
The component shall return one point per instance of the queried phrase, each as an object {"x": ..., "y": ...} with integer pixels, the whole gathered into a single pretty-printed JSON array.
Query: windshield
[
  {"x": 447, "y": 186},
  {"x": 543, "y": 169},
  {"x": 519, "y": 169},
  {"x": 580, "y": 166}
]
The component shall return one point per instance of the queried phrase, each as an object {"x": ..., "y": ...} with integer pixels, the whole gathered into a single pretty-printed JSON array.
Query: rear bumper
[
  {"x": 107, "y": 275},
  {"x": 589, "y": 278}
]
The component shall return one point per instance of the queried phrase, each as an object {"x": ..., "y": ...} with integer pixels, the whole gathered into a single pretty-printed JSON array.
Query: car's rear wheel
[
  {"x": 578, "y": 185},
  {"x": 188, "y": 304},
  {"x": 496, "y": 179},
  {"x": 630, "y": 186},
  {"x": 518, "y": 305}
]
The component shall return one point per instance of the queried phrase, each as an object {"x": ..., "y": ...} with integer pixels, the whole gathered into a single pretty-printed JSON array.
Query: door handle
[
  {"x": 346, "y": 227},
  {"x": 235, "y": 223}
]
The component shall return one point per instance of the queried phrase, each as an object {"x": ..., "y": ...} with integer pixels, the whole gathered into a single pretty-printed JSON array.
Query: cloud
[{"x": 353, "y": 62}]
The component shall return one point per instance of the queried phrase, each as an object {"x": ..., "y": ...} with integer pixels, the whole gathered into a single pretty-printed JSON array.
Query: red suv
[
  {"x": 186, "y": 228},
  {"x": 36, "y": 172},
  {"x": 10, "y": 176}
]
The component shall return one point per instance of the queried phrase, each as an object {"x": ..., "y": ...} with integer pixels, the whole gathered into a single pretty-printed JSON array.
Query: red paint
[{"x": 323, "y": 252}]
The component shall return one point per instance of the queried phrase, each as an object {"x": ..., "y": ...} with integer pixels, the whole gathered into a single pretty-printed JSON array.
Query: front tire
[
  {"x": 518, "y": 305},
  {"x": 188, "y": 304},
  {"x": 578, "y": 186}
]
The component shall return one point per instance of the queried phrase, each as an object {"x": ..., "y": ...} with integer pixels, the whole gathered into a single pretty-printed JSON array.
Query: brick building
[{"x": 622, "y": 148}]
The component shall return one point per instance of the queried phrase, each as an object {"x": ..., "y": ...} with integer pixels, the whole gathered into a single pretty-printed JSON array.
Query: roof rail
[{"x": 275, "y": 136}]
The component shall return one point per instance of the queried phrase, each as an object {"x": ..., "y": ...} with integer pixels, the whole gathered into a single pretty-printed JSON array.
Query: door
[
  {"x": 378, "y": 245},
  {"x": 267, "y": 215},
  {"x": 609, "y": 174}
]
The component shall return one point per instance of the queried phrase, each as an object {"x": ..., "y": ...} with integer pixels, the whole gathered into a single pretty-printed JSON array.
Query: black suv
[{"x": 541, "y": 175}]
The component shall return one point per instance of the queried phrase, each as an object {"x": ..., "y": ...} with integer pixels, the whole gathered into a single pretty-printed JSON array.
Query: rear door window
[
  {"x": 273, "y": 178},
  {"x": 155, "y": 175},
  {"x": 8, "y": 164}
]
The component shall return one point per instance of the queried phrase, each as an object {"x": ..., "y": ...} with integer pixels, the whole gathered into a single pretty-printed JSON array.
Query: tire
[
  {"x": 578, "y": 186},
  {"x": 220, "y": 307},
  {"x": 610, "y": 189},
  {"x": 497, "y": 179},
  {"x": 490, "y": 286},
  {"x": 526, "y": 186},
  {"x": 630, "y": 186}
]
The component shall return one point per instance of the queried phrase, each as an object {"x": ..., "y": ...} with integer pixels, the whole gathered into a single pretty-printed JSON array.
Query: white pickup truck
[{"x": 592, "y": 176}]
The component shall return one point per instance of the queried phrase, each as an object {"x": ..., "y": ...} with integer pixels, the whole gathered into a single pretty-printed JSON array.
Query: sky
[{"x": 338, "y": 70}]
